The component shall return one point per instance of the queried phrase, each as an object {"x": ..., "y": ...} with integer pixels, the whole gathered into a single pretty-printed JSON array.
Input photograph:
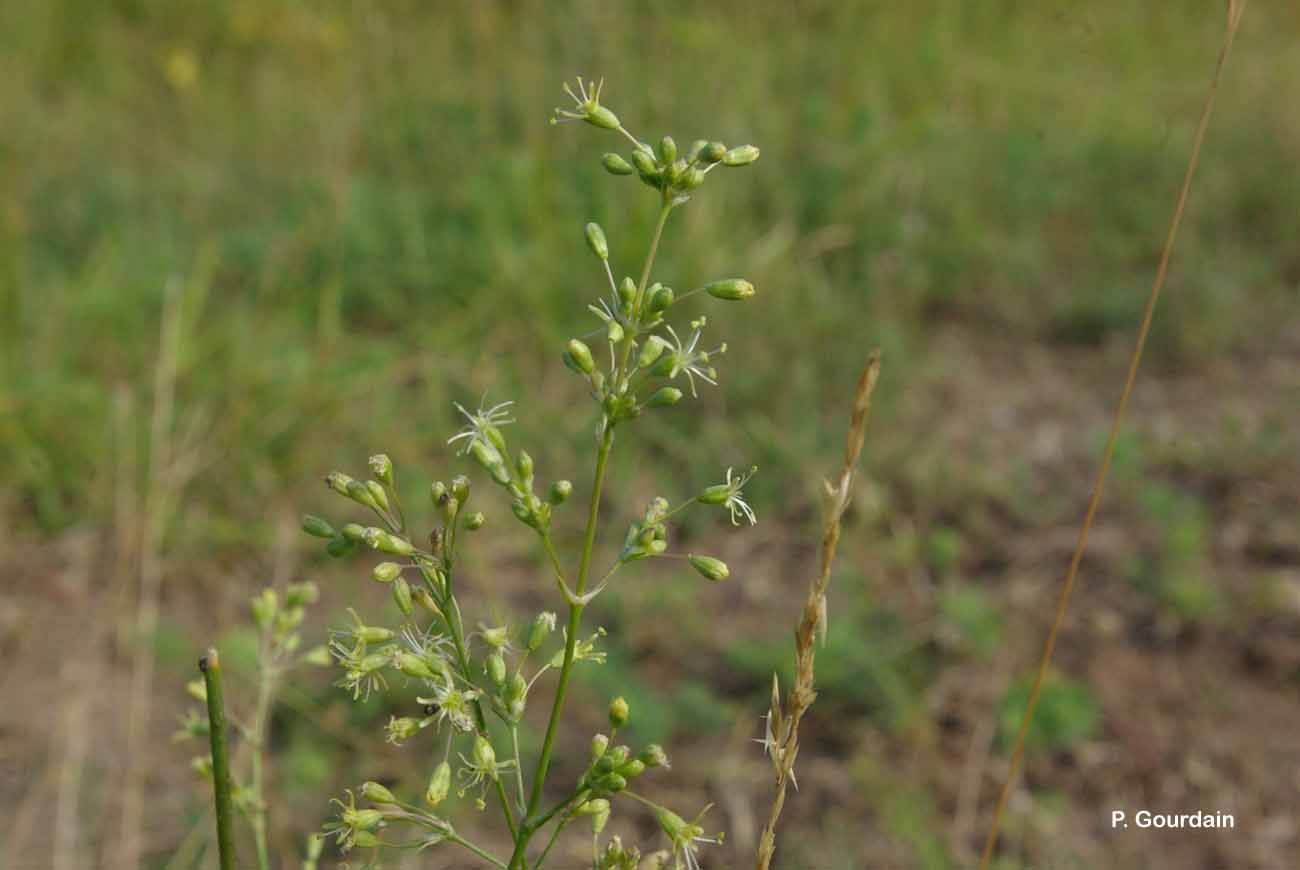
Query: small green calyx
[
  {"x": 596, "y": 241},
  {"x": 731, "y": 289},
  {"x": 709, "y": 568}
]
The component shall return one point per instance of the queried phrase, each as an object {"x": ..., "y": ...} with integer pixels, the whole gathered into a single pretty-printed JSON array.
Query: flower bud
[
  {"x": 377, "y": 493},
  {"x": 340, "y": 546},
  {"x": 644, "y": 161},
  {"x": 339, "y": 482},
  {"x": 365, "y": 840},
  {"x": 667, "y": 149},
  {"x": 709, "y": 567},
  {"x": 664, "y": 397},
  {"x": 580, "y": 354},
  {"x": 361, "y": 494},
  {"x": 616, "y": 165},
  {"x": 614, "y": 331},
  {"x": 711, "y": 153},
  {"x": 543, "y": 624},
  {"x": 376, "y": 793},
  {"x": 378, "y": 539},
  {"x": 424, "y": 598},
  {"x": 599, "y": 744},
  {"x": 632, "y": 769},
  {"x": 692, "y": 178},
  {"x": 363, "y": 820},
  {"x": 675, "y": 172},
  {"x": 660, "y": 299},
  {"x": 734, "y": 289},
  {"x": 617, "y": 756},
  {"x": 490, "y": 459},
  {"x": 650, "y": 351},
  {"x": 439, "y": 785},
  {"x": 386, "y": 572},
  {"x": 264, "y": 607},
  {"x": 460, "y": 488},
  {"x": 618, "y": 712},
  {"x": 402, "y": 595},
  {"x": 524, "y": 465},
  {"x": 198, "y": 690},
  {"x": 412, "y": 665},
  {"x": 599, "y": 116},
  {"x": 402, "y": 728},
  {"x": 317, "y": 527},
  {"x": 593, "y": 807},
  {"x": 301, "y": 594},
  {"x": 611, "y": 782},
  {"x": 596, "y": 241},
  {"x": 559, "y": 492},
  {"x": 627, "y": 293},
  {"x": 475, "y": 521},
  {"x": 696, "y": 147},
  {"x": 485, "y": 756},
  {"x": 318, "y": 656},
  {"x": 382, "y": 468},
  {"x": 438, "y": 491},
  {"x": 716, "y": 494},
  {"x": 496, "y": 669},
  {"x": 740, "y": 156},
  {"x": 653, "y": 756}
]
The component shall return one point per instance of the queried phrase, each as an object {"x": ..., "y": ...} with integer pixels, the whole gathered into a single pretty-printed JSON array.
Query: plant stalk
[{"x": 210, "y": 665}]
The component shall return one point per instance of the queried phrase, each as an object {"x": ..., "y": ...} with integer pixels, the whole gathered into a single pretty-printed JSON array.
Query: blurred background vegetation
[{"x": 350, "y": 215}]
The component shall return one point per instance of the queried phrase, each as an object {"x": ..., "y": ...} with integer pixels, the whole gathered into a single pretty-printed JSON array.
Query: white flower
[
  {"x": 481, "y": 424},
  {"x": 685, "y": 358}
]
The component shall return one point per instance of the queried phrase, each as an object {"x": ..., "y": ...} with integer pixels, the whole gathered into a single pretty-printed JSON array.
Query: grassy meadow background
[{"x": 343, "y": 217}]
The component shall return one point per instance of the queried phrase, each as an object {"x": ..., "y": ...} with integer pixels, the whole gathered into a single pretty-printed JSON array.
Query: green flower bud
[
  {"x": 614, "y": 330},
  {"x": 264, "y": 606},
  {"x": 543, "y": 625},
  {"x": 378, "y": 539},
  {"x": 438, "y": 491},
  {"x": 524, "y": 465},
  {"x": 490, "y": 459},
  {"x": 424, "y": 598},
  {"x": 632, "y": 769},
  {"x": 675, "y": 172},
  {"x": 593, "y": 807},
  {"x": 692, "y": 178},
  {"x": 644, "y": 161},
  {"x": 496, "y": 669},
  {"x": 363, "y": 820},
  {"x": 402, "y": 596},
  {"x": 475, "y": 521},
  {"x": 485, "y": 756},
  {"x": 386, "y": 572},
  {"x": 376, "y": 793},
  {"x": 496, "y": 637},
  {"x": 354, "y": 532},
  {"x": 616, "y": 165},
  {"x": 650, "y": 351},
  {"x": 672, "y": 824},
  {"x": 340, "y": 546},
  {"x": 667, "y": 149},
  {"x": 661, "y": 299},
  {"x": 198, "y": 690},
  {"x": 412, "y": 665},
  {"x": 377, "y": 493},
  {"x": 599, "y": 116},
  {"x": 740, "y": 156},
  {"x": 664, "y": 397},
  {"x": 617, "y": 756},
  {"x": 599, "y": 744},
  {"x": 581, "y": 356},
  {"x": 402, "y": 728},
  {"x": 596, "y": 241},
  {"x": 696, "y": 147},
  {"x": 460, "y": 488},
  {"x": 653, "y": 756},
  {"x": 618, "y": 712},
  {"x": 365, "y": 840},
  {"x": 714, "y": 495},
  {"x": 734, "y": 289},
  {"x": 301, "y": 594},
  {"x": 709, "y": 567},
  {"x": 611, "y": 782},
  {"x": 382, "y": 468},
  {"x": 339, "y": 482},
  {"x": 711, "y": 153},
  {"x": 559, "y": 492},
  {"x": 439, "y": 785},
  {"x": 627, "y": 293},
  {"x": 361, "y": 494},
  {"x": 317, "y": 527}
]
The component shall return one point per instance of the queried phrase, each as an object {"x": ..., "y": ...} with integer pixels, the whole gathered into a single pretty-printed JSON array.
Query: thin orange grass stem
[{"x": 1235, "y": 10}]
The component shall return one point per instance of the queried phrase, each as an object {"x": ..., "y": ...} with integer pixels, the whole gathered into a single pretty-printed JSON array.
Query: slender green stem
[
  {"x": 210, "y": 665},
  {"x": 519, "y": 768},
  {"x": 261, "y": 716},
  {"x": 461, "y": 841}
]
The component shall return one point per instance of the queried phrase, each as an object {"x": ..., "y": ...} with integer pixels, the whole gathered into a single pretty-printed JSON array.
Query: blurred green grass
[{"x": 373, "y": 217}]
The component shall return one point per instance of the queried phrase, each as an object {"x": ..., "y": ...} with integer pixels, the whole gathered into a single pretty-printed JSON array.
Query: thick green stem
[{"x": 210, "y": 665}]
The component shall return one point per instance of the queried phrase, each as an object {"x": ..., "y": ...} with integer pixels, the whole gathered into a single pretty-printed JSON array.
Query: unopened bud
[
  {"x": 650, "y": 351},
  {"x": 618, "y": 712},
  {"x": 376, "y": 793},
  {"x": 740, "y": 156},
  {"x": 667, "y": 149},
  {"x": 616, "y": 165},
  {"x": 485, "y": 756},
  {"x": 402, "y": 596},
  {"x": 439, "y": 785},
  {"x": 632, "y": 769},
  {"x": 460, "y": 488},
  {"x": 377, "y": 493},
  {"x": 599, "y": 744},
  {"x": 661, "y": 299},
  {"x": 264, "y": 606},
  {"x": 412, "y": 665},
  {"x": 524, "y": 465},
  {"x": 580, "y": 356},
  {"x": 382, "y": 468},
  {"x": 543, "y": 624},
  {"x": 709, "y": 567},
  {"x": 627, "y": 293},
  {"x": 596, "y": 241},
  {"x": 317, "y": 527},
  {"x": 559, "y": 492},
  {"x": 653, "y": 756},
  {"x": 496, "y": 669},
  {"x": 386, "y": 572},
  {"x": 733, "y": 289},
  {"x": 644, "y": 161},
  {"x": 664, "y": 397},
  {"x": 475, "y": 521},
  {"x": 712, "y": 153}
]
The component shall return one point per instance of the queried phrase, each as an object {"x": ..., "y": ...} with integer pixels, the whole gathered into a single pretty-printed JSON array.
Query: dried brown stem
[{"x": 782, "y": 739}]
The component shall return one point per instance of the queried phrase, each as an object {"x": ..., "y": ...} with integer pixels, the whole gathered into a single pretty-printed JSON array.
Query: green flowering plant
[{"x": 475, "y": 686}]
